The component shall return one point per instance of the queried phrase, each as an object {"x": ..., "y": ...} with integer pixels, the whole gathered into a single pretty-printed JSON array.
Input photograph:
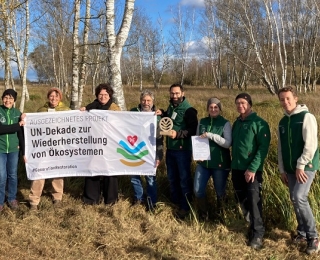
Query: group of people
[{"x": 248, "y": 137}]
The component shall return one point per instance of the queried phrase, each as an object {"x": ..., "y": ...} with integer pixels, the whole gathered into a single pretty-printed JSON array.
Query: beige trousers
[{"x": 37, "y": 187}]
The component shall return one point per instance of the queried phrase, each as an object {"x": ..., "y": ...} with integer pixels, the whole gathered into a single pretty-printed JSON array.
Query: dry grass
[{"x": 76, "y": 231}]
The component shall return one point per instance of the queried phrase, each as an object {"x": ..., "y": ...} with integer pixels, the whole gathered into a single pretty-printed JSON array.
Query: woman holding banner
[
  {"x": 91, "y": 193},
  {"x": 53, "y": 104},
  {"x": 11, "y": 142}
]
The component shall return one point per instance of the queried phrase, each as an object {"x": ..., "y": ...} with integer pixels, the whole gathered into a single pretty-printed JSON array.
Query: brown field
[{"x": 76, "y": 231}]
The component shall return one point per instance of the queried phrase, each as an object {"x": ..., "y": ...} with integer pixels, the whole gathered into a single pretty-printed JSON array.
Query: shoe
[
  {"x": 14, "y": 204},
  {"x": 57, "y": 204},
  {"x": 181, "y": 214},
  {"x": 299, "y": 239},
  {"x": 33, "y": 207},
  {"x": 313, "y": 246},
  {"x": 1, "y": 208},
  {"x": 256, "y": 243}
]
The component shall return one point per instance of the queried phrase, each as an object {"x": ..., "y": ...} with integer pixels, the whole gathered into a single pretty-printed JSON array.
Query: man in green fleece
[
  {"x": 250, "y": 144},
  {"x": 298, "y": 159}
]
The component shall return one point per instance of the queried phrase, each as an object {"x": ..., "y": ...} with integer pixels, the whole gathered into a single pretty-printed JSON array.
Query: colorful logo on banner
[{"x": 131, "y": 152}]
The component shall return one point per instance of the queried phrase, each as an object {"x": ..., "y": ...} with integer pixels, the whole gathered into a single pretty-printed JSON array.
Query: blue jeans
[
  {"x": 299, "y": 197},
  {"x": 201, "y": 179},
  {"x": 8, "y": 175},
  {"x": 179, "y": 175},
  {"x": 151, "y": 188}
]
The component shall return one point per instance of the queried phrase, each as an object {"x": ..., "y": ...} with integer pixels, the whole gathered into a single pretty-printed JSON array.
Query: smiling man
[
  {"x": 250, "y": 144},
  {"x": 298, "y": 159},
  {"x": 178, "y": 155},
  {"x": 146, "y": 105}
]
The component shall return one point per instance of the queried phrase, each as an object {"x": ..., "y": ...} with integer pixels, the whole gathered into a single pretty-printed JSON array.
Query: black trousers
[
  {"x": 93, "y": 187},
  {"x": 249, "y": 195}
]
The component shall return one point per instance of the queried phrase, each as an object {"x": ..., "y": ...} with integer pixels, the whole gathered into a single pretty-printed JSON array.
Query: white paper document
[{"x": 200, "y": 148}]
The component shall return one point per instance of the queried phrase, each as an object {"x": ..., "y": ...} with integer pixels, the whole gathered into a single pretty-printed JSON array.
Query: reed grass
[{"x": 123, "y": 232}]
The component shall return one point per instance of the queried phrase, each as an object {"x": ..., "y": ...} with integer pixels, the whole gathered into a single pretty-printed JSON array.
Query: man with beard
[
  {"x": 178, "y": 155},
  {"x": 146, "y": 105}
]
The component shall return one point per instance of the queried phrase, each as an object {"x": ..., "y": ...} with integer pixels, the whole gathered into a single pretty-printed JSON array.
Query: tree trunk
[
  {"x": 83, "y": 65},
  {"x": 115, "y": 44},
  {"x": 74, "y": 104}
]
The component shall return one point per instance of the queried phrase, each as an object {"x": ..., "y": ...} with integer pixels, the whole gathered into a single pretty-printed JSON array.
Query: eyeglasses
[
  {"x": 103, "y": 95},
  {"x": 241, "y": 103}
]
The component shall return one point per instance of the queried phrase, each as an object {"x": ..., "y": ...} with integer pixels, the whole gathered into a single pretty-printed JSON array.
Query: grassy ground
[{"x": 76, "y": 231}]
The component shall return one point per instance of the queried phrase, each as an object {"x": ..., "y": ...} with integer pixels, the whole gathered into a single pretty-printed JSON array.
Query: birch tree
[
  {"x": 264, "y": 31},
  {"x": 20, "y": 43},
  {"x": 5, "y": 16},
  {"x": 83, "y": 65},
  {"x": 74, "y": 104},
  {"x": 303, "y": 20},
  {"x": 182, "y": 33},
  {"x": 114, "y": 43},
  {"x": 157, "y": 51},
  {"x": 54, "y": 28},
  {"x": 211, "y": 39}
]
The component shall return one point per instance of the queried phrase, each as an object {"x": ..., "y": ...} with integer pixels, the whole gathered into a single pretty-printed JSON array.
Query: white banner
[{"x": 98, "y": 142}]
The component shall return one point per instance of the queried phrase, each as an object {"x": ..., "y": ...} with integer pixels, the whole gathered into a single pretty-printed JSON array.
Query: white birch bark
[
  {"x": 74, "y": 104},
  {"x": 83, "y": 66},
  {"x": 115, "y": 42},
  {"x": 23, "y": 66}
]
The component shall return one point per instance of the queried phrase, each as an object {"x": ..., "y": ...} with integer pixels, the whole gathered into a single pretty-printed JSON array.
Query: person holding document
[{"x": 218, "y": 130}]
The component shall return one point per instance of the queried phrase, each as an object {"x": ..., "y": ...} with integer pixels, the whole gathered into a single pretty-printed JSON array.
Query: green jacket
[
  {"x": 220, "y": 157},
  {"x": 292, "y": 143},
  {"x": 60, "y": 107},
  {"x": 250, "y": 143},
  {"x": 185, "y": 123},
  {"x": 9, "y": 142}
]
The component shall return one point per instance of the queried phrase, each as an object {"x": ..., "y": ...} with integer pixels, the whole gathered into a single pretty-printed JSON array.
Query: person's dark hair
[
  {"x": 176, "y": 85},
  {"x": 287, "y": 89},
  {"x": 105, "y": 86},
  {"x": 10, "y": 92}
]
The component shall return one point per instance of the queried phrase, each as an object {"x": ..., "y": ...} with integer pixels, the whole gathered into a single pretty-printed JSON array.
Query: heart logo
[{"x": 132, "y": 139}]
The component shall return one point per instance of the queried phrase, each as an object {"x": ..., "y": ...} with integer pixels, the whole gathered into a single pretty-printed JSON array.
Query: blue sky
[
  {"x": 154, "y": 9},
  {"x": 160, "y": 8}
]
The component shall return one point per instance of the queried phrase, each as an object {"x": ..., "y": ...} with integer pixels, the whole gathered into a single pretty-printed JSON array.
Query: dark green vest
[
  {"x": 178, "y": 123},
  {"x": 292, "y": 144},
  {"x": 9, "y": 142},
  {"x": 220, "y": 157}
]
